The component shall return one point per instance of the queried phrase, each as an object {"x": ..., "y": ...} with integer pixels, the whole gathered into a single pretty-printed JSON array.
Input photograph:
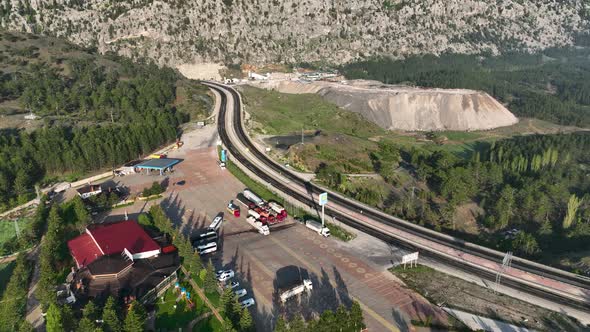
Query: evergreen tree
[
  {"x": 281, "y": 325},
  {"x": 112, "y": 322},
  {"x": 297, "y": 324},
  {"x": 228, "y": 326},
  {"x": 53, "y": 319},
  {"x": 134, "y": 321},
  {"x": 246, "y": 322},
  {"x": 67, "y": 318},
  {"x": 356, "y": 319},
  {"x": 572, "y": 209},
  {"x": 90, "y": 311},
  {"x": 210, "y": 278},
  {"x": 25, "y": 326},
  {"x": 86, "y": 325}
]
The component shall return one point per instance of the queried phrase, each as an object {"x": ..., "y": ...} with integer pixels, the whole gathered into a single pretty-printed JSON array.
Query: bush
[{"x": 155, "y": 189}]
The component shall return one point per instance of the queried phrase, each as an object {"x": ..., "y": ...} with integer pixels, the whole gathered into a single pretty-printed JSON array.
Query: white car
[
  {"x": 241, "y": 292},
  {"x": 247, "y": 303},
  {"x": 233, "y": 285},
  {"x": 225, "y": 275}
]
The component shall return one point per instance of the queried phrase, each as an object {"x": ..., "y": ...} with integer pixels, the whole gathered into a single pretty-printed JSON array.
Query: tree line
[
  {"x": 552, "y": 86},
  {"x": 344, "y": 320},
  {"x": 97, "y": 113},
  {"x": 538, "y": 184}
]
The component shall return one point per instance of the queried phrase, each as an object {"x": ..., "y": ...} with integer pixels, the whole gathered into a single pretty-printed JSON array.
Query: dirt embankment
[{"x": 408, "y": 108}]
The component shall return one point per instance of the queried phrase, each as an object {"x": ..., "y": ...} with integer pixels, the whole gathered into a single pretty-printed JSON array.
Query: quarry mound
[{"x": 405, "y": 108}]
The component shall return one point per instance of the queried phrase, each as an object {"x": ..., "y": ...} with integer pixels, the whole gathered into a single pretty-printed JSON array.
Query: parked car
[
  {"x": 232, "y": 285},
  {"x": 225, "y": 275},
  {"x": 247, "y": 303},
  {"x": 240, "y": 293}
]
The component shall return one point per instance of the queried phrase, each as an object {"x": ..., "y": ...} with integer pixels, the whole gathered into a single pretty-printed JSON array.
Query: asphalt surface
[{"x": 563, "y": 291}]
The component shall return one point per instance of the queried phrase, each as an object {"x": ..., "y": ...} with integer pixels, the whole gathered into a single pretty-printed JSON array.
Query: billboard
[
  {"x": 409, "y": 258},
  {"x": 323, "y": 199}
]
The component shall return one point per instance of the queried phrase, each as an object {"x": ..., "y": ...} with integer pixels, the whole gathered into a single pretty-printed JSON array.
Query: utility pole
[
  {"x": 302, "y": 136},
  {"x": 506, "y": 262}
]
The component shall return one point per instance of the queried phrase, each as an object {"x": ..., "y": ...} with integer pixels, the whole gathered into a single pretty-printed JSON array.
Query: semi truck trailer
[
  {"x": 244, "y": 201},
  {"x": 317, "y": 227},
  {"x": 262, "y": 228},
  {"x": 253, "y": 197},
  {"x": 304, "y": 286}
]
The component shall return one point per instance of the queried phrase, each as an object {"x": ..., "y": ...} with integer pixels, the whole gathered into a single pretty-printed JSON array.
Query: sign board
[
  {"x": 223, "y": 155},
  {"x": 410, "y": 257},
  {"x": 323, "y": 199}
]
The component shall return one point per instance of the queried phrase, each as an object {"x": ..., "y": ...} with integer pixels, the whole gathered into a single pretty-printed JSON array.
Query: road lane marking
[{"x": 370, "y": 311}]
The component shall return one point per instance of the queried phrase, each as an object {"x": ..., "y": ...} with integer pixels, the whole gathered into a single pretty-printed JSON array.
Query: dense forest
[
  {"x": 96, "y": 112},
  {"x": 552, "y": 86},
  {"x": 538, "y": 185}
]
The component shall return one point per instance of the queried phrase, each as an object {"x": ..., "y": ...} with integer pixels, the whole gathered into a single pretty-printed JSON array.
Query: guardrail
[{"x": 393, "y": 221}]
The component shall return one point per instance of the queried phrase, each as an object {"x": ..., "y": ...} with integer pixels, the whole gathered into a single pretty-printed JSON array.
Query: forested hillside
[
  {"x": 95, "y": 112},
  {"x": 551, "y": 86},
  {"x": 537, "y": 184}
]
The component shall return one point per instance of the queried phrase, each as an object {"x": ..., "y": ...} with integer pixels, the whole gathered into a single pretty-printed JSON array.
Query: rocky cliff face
[
  {"x": 408, "y": 108},
  {"x": 264, "y": 31}
]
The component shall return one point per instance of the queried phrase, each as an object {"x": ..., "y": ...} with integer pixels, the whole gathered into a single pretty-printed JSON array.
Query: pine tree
[
  {"x": 356, "y": 316},
  {"x": 210, "y": 278},
  {"x": 86, "y": 325},
  {"x": 297, "y": 324},
  {"x": 134, "y": 321},
  {"x": 246, "y": 322},
  {"x": 53, "y": 320},
  {"x": 25, "y": 326},
  {"x": 90, "y": 311},
  {"x": 67, "y": 318},
  {"x": 572, "y": 209},
  {"x": 228, "y": 326},
  {"x": 112, "y": 322},
  {"x": 281, "y": 325},
  {"x": 82, "y": 215}
]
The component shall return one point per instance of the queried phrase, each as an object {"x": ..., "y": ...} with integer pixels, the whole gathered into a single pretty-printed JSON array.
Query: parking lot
[{"x": 339, "y": 271}]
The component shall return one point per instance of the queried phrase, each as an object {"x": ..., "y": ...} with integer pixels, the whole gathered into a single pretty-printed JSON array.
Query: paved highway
[{"x": 568, "y": 290}]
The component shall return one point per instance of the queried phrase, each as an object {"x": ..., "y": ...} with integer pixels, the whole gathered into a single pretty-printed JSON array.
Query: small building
[
  {"x": 128, "y": 168},
  {"x": 89, "y": 190},
  {"x": 162, "y": 165}
]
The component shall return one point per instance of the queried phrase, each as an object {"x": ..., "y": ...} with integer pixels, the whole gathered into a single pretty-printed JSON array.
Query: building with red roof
[
  {"x": 120, "y": 259},
  {"x": 124, "y": 237}
]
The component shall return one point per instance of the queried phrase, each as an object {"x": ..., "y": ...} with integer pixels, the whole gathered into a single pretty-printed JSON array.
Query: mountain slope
[{"x": 263, "y": 31}]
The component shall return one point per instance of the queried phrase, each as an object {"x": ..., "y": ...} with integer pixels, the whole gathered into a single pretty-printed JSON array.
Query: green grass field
[
  {"x": 209, "y": 324},
  {"x": 7, "y": 230},
  {"x": 170, "y": 318},
  {"x": 283, "y": 114}
]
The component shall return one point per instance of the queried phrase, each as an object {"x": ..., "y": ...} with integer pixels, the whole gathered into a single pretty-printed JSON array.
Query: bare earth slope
[
  {"x": 293, "y": 31},
  {"x": 408, "y": 108}
]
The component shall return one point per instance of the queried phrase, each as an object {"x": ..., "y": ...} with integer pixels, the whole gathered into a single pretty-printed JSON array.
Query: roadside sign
[
  {"x": 323, "y": 199},
  {"x": 410, "y": 258}
]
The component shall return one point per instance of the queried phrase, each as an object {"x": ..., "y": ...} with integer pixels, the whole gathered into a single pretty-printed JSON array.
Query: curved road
[{"x": 561, "y": 287}]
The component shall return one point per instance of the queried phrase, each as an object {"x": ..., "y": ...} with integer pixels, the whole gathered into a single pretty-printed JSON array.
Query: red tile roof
[
  {"x": 84, "y": 250},
  {"x": 108, "y": 239},
  {"x": 112, "y": 238}
]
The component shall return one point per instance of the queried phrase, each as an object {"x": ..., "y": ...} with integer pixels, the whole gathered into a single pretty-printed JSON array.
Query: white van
[{"x": 207, "y": 248}]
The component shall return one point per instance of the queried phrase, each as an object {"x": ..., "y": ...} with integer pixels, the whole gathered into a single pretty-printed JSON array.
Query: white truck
[
  {"x": 253, "y": 197},
  {"x": 317, "y": 227},
  {"x": 305, "y": 286},
  {"x": 216, "y": 223},
  {"x": 278, "y": 209},
  {"x": 262, "y": 228}
]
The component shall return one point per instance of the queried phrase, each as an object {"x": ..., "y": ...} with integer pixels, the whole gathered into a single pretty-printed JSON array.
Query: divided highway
[{"x": 564, "y": 288}]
